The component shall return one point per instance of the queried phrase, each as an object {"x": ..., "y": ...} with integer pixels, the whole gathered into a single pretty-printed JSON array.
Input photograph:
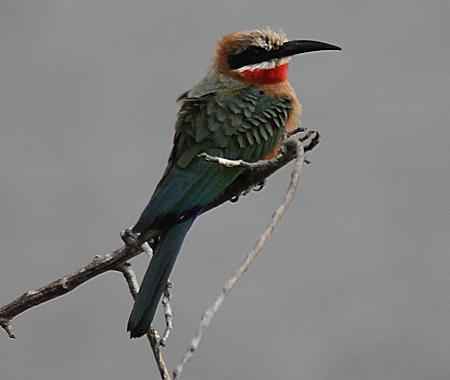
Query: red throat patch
[{"x": 266, "y": 76}]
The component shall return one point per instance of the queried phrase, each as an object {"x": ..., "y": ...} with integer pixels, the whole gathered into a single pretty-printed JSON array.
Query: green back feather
[{"x": 222, "y": 117}]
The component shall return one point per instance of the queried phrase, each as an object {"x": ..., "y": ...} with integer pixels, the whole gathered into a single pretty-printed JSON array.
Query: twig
[
  {"x": 168, "y": 314},
  {"x": 232, "y": 163},
  {"x": 212, "y": 310},
  {"x": 63, "y": 285},
  {"x": 152, "y": 334}
]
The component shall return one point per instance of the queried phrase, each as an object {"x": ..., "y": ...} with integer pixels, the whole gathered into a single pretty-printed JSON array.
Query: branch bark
[
  {"x": 63, "y": 285},
  {"x": 253, "y": 176}
]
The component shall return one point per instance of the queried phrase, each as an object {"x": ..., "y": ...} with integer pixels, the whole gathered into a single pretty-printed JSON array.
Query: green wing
[{"x": 221, "y": 118}]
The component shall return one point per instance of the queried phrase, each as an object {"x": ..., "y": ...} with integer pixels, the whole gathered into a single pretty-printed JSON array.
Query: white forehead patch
[{"x": 268, "y": 39}]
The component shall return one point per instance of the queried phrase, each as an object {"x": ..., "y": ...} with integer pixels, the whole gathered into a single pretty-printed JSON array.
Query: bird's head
[{"x": 261, "y": 56}]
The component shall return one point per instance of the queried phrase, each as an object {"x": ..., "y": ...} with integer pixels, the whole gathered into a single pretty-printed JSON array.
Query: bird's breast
[{"x": 284, "y": 90}]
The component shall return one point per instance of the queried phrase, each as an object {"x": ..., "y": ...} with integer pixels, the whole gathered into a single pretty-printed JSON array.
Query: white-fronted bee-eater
[{"x": 241, "y": 109}]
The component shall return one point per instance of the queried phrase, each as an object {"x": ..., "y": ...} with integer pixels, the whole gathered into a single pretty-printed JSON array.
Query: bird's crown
[{"x": 265, "y": 39}]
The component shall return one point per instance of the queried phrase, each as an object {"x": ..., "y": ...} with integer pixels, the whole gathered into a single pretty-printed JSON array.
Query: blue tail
[{"x": 156, "y": 277}]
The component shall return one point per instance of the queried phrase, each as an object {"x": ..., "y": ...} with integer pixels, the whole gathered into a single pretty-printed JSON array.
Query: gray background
[{"x": 355, "y": 283}]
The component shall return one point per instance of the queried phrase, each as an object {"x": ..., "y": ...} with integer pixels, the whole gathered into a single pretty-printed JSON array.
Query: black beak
[
  {"x": 302, "y": 46},
  {"x": 256, "y": 54}
]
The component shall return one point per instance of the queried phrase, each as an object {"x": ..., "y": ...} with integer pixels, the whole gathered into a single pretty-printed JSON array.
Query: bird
[{"x": 241, "y": 109}]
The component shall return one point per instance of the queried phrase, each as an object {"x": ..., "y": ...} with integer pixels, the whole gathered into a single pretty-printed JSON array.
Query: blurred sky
[{"x": 354, "y": 284}]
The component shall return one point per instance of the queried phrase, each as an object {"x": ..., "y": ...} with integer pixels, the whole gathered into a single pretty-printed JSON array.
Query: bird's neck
[{"x": 273, "y": 75}]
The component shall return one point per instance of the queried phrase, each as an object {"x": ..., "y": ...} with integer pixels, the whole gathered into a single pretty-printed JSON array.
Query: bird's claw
[
  {"x": 259, "y": 186},
  {"x": 310, "y": 139},
  {"x": 295, "y": 131}
]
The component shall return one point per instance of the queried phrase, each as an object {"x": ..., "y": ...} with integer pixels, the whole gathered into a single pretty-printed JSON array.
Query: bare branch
[
  {"x": 231, "y": 163},
  {"x": 152, "y": 334},
  {"x": 254, "y": 175},
  {"x": 63, "y": 285},
  {"x": 230, "y": 284}
]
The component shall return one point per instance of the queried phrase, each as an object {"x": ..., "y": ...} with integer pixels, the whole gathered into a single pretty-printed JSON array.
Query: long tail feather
[{"x": 156, "y": 277}]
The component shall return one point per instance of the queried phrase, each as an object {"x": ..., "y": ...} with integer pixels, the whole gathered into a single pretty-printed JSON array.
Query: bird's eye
[{"x": 254, "y": 52}]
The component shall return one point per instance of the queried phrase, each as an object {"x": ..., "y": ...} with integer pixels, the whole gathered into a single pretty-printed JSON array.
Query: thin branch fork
[
  {"x": 254, "y": 175},
  {"x": 251, "y": 256},
  {"x": 152, "y": 335}
]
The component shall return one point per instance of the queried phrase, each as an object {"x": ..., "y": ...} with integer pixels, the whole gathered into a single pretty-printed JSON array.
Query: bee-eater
[{"x": 241, "y": 109}]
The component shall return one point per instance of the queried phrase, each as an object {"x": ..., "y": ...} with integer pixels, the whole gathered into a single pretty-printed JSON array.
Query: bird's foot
[
  {"x": 130, "y": 238},
  {"x": 295, "y": 131},
  {"x": 310, "y": 139}
]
